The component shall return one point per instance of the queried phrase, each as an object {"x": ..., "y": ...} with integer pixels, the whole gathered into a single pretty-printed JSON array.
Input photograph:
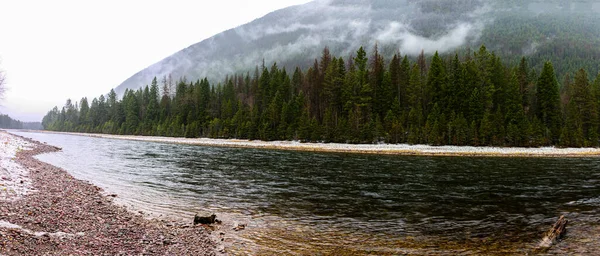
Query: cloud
[
  {"x": 356, "y": 23},
  {"x": 412, "y": 44},
  {"x": 257, "y": 32},
  {"x": 287, "y": 29},
  {"x": 298, "y": 34}
]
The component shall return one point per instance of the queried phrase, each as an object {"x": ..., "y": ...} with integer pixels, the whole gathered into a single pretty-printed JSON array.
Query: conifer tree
[{"x": 548, "y": 103}]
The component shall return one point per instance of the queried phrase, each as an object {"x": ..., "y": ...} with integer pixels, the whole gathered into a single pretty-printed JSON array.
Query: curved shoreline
[
  {"x": 61, "y": 215},
  {"x": 379, "y": 149},
  {"x": 579, "y": 242}
]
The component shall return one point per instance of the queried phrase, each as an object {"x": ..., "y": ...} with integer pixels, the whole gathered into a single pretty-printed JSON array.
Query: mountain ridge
[{"x": 295, "y": 35}]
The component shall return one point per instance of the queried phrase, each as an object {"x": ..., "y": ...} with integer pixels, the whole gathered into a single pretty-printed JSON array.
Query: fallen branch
[{"x": 554, "y": 234}]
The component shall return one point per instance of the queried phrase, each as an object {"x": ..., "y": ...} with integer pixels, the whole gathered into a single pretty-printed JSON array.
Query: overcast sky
[{"x": 59, "y": 49}]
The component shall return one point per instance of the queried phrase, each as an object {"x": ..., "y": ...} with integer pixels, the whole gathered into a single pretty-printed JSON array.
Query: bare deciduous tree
[
  {"x": 2, "y": 81},
  {"x": 2, "y": 84}
]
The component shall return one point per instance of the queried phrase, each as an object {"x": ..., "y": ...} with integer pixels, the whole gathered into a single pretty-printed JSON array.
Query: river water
[{"x": 327, "y": 203}]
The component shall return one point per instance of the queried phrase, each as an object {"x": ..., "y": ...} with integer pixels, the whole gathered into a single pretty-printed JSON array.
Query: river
[{"x": 309, "y": 203}]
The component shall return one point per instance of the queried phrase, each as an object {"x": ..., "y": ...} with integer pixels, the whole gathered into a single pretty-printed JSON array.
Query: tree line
[
  {"x": 6, "y": 122},
  {"x": 474, "y": 99}
]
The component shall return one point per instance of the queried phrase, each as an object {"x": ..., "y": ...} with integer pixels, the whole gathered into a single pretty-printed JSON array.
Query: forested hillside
[
  {"x": 470, "y": 99},
  {"x": 564, "y": 32},
  {"x": 571, "y": 40}
]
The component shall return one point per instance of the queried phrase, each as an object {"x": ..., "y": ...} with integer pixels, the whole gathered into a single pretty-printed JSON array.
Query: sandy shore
[
  {"x": 383, "y": 149},
  {"x": 45, "y": 211}
]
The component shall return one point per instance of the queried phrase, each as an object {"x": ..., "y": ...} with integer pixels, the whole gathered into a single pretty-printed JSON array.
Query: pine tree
[
  {"x": 380, "y": 90},
  {"x": 403, "y": 83},
  {"x": 548, "y": 103},
  {"x": 152, "y": 110},
  {"x": 581, "y": 112},
  {"x": 515, "y": 118},
  {"x": 84, "y": 119},
  {"x": 436, "y": 84},
  {"x": 130, "y": 103}
]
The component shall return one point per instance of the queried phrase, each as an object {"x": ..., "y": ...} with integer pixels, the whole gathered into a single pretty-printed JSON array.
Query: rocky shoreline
[{"x": 60, "y": 215}]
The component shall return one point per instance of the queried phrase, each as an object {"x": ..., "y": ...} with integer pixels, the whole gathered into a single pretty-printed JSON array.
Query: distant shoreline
[{"x": 377, "y": 149}]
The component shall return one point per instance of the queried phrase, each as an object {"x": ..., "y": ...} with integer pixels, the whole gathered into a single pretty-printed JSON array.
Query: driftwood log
[{"x": 554, "y": 234}]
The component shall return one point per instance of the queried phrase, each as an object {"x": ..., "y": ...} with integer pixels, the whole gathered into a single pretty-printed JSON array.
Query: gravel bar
[
  {"x": 52, "y": 213},
  {"x": 381, "y": 149}
]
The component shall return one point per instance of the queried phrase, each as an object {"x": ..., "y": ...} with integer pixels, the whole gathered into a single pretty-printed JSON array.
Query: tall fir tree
[{"x": 548, "y": 103}]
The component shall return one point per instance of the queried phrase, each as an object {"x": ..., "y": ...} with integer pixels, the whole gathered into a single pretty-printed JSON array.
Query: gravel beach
[{"x": 45, "y": 211}]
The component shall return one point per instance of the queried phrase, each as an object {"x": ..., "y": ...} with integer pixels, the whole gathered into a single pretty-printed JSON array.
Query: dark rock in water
[{"x": 205, "y": 220}]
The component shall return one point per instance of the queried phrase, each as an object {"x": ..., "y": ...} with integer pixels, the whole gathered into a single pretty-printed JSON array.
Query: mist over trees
[
  {"x": 473, "y": 99},
  {"x": 564, "y": 32}
]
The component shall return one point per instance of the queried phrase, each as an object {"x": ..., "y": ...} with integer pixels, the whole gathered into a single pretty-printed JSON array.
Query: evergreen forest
[{"x": 472, "y": 98}]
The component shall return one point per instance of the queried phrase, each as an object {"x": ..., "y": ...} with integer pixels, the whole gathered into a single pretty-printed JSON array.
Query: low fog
[{"x": 296, "y": 35}]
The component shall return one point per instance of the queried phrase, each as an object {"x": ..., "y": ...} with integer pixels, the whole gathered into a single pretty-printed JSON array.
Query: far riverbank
[{"x": 382, "y": 149}]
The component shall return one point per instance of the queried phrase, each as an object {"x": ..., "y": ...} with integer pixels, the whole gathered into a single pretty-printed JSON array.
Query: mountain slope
[{"x": 294, "y": 36}]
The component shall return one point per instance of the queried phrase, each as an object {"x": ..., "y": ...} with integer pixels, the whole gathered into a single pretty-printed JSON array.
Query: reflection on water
[{"x": 342, "y": 203}]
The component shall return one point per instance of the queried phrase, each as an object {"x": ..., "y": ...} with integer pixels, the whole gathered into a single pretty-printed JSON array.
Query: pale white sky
[{"x": 59, "y": 49}]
